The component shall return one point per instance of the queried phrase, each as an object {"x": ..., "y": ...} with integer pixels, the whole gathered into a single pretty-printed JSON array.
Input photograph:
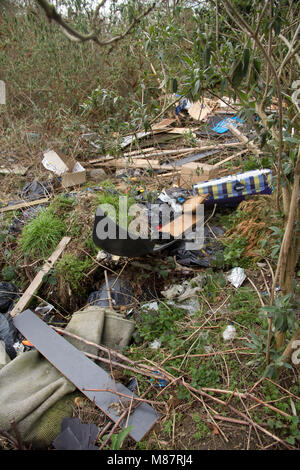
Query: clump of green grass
[
  {"x": 40, "y": 237},
  {"x": 72, "y": 269},
  {"x": 112, "y": 200}
]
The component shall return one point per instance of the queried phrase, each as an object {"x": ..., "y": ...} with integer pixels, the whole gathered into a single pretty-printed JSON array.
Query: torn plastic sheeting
[
  {"x": 222, "y": 126},
  {"x": 184, "y": 104},
  {"x": 172, "y": 196},
  {"x": 44, "y": 308},
  {"x": 25, "y": 217},
  {"x": 76, "y": 436},
  {"x": 169, "y": 200},
  {"x": 158, "y": 382},
  {"x": 191, "y": 305},
  {"x": 36, "y": 190},
  {"x": 213, "y": 121},
  {"x": 156, "y": 344},
  {"x": 184, "y": 295},
  {"x": 185, "y": 290}
]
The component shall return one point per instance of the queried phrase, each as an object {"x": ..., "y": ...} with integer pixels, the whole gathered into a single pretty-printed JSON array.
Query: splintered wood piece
[
  {"x": 86, "y": 375},
  {"x": 23, "y": 205},
  {"x": 37, "y": 281},
  {"x": 194, "y": 202},
  {"x": 243, "y": 139},
  {"x": 187, "y": 220}
]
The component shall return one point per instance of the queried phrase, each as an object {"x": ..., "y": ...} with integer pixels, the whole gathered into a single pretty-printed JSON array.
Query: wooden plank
[
  {"x": 138, "y": 163},
  {"x": 187, "y": 220},
  {"x": 85, "y": 374},
  {"x": 160, "y": 153},
  {"x": 154, "y": 164},
  {"x": 37, "y": 281},
  {"x": 238, "y": 134},
  {"x": 181, "y": 224},
  {"x": 243, "y": 139},
  {"x": 230, "y": 158},
  {"x": 182, "y": 130},
  {"x": 140, "y": 151},
  {"x": 165, "y": 123},
  {"x": 24, "y": 205},
  {"x": 169, "y": 174},
  {"x": 98, "y": 160}
]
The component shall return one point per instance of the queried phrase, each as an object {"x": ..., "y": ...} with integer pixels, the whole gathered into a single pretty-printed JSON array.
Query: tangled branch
[{"x": 75, "y": 35}]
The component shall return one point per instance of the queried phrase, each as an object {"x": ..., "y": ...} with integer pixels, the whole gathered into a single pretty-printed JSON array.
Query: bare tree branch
[{"x": 75, "y": 35}]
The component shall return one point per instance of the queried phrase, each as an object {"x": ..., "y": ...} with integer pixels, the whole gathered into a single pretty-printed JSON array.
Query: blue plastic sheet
[{"x": 222, "y": 126}]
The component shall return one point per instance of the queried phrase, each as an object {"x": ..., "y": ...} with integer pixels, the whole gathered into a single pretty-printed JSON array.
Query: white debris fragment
[
  {"x": 150, "y": 306},
  {"x": 19, "y": 348},
  {"x": 156, "y": 344},
  {"x": 237, "y": 277},
  {"x": 229, "y": 333}
]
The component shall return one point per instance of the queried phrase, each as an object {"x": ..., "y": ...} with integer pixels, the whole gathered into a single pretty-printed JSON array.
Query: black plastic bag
[
  {"x": 8, "y": 334},
  {"x": 210, "y": 256},
  {"x": 8, "y": 293},
  {"x": 121, "y": 293},
  {"x": 76, "y": 436},
  {"x": 36, "y": 190}
]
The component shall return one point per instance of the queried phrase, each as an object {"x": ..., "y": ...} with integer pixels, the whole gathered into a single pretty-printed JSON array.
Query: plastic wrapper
[{"x": 236, "y": 277}]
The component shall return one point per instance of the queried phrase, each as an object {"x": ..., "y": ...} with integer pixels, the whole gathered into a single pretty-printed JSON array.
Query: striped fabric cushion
[{"x": 236, "y": 186}]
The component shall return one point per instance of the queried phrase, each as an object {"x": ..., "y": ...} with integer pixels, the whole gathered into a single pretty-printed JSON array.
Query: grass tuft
[{"x": 40, "y": 237}]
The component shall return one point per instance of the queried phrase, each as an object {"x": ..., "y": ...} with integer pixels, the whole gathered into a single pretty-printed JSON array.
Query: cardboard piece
[
  {"x": 193, "y": 173},
  {"x": 71, "y": 171},
  {"x": 199, "y": 111}
]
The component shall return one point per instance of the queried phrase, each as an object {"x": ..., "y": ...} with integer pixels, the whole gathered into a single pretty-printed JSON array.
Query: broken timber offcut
[{"x": 84, "y": 373}]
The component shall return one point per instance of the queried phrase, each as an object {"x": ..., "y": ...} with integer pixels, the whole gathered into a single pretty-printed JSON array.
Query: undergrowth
[
  {"x": 72, "y": 270},
  {"x": 41, "y": 236}
]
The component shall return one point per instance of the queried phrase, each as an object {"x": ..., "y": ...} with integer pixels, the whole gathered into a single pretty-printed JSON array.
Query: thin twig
[{"x": 108, "y": 290}]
